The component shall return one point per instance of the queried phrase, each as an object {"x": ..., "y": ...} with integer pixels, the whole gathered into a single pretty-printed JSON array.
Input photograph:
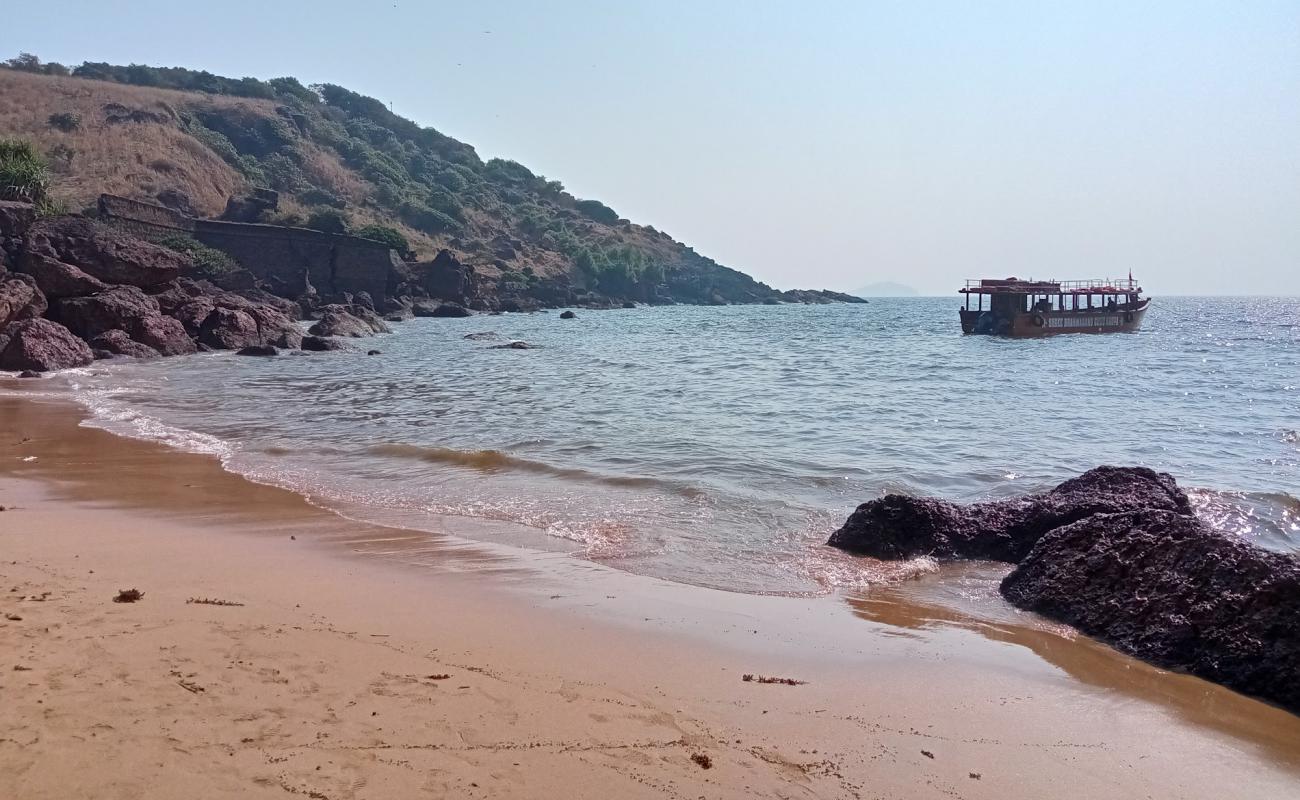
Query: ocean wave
[
  {"x": 123, "y": 420},
  {"x": 1270, "y": 519},
  {"x": 496, "y": 461}
]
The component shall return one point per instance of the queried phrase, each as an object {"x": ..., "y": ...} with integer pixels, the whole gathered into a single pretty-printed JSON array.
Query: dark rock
[
  {"x": 485, "y": 336},
  {"x": 117, "y": 343},
  {"x": 447, "y": 278},
  {"x": 441, "y": 310},
  {"x": 106, "y": 253},
  {"x": 251, "y": 207},
  {"x": 321, "y": 344},
  {"x": 514, "y": 345},
  {"x": 56, "y": 279},
  {"x": 177, "y": 201},
  {"x": 42, "y": 345},
  {"x": 374, "y": 352},
  {"x": 20, "y": 298},
  {"x": 1165, "y": 588},
  {"x": 258, "y": 350},
  {"x": 629, "y": 304},
  {"x": 901, "y": 527},
  {"x": 364, "y": 300},
  {"x": 353, "y": 321},
  {"x": 29, "y": 373},
  {"x": 229, "y": 329},
  {"x": 16, "y": 218},
  {"x": 125, "y": 308},
  {"x": 568, "y": 315}
]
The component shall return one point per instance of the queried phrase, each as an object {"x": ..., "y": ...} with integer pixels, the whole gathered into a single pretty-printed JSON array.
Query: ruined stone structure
[{"x": 292, "y": 261}]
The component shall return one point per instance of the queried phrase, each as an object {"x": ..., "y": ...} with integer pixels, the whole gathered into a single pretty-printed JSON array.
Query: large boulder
[
  {"x": 125, "y": 308},
  {"x": 229, "y": 329},
  {"x": 1165, "y": 588},
  {"x": 352, "y": 321},
  {"x": 118, "y": 343},
  {"x": 321, "y": 344},
  {"x": 105, "y": 253},
  {"x": 56, "y": 279},
  {"x": 41, "y": 345},
  {"x": 20, "y": 298},
  {"x": 441, "y": 310},
  {"x": 900, "y": 527}
]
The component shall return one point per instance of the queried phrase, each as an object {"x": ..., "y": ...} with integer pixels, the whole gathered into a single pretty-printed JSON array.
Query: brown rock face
[
  {"x": 19, "y": 298},
  {"x": 16, "y": 218},
  {"x": 104, "y": 253},
  {"x": 900, "y": 527},
  {"x": 42, "y": 345},
  {"x": 118, "y": 343},
  {"x": 229, "y": 329},
  {"x": 56, "y": 279},
  {"x": 124, "y": 308},
  {"x": 1164, "y": 587},
  {"x": 352, "y": 321}
]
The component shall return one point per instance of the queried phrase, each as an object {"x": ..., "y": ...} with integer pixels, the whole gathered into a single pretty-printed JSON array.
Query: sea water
[{"x": 721, "y": 446}]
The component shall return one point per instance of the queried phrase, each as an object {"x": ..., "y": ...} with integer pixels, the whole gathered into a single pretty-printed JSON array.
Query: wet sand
[{"x": 563, "y": 678}]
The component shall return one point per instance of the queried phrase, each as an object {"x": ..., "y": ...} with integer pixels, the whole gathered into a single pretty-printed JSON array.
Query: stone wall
[{"x": 289, "y": 260}]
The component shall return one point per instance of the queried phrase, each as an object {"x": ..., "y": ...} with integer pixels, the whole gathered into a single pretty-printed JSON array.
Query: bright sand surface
[{"x": 563, "y": 679}]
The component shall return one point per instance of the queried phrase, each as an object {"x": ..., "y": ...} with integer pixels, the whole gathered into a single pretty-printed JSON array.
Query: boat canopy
[{"x": 1018, "y": 286}]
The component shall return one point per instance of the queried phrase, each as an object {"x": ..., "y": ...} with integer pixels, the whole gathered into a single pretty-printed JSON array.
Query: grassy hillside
[{"x": 337, "y": 157}]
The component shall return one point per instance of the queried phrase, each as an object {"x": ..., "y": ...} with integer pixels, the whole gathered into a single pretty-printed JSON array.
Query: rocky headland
[{"x": 1118, "y": 554}]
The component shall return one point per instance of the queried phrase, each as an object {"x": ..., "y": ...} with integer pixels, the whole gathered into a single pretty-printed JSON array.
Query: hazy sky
[{"x": 827, "y": 144}]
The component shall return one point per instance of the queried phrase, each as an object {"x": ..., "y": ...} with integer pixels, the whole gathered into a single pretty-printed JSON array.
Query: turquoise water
[{"x": 720, "y": 446}]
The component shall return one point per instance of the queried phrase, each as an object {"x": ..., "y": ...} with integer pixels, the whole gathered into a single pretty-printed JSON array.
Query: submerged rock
[
  {"x": 42, "y": 345},
  {"x": 258, "y": 350},
  {"x": 484, "y": 336},
  {"x": 568, "y": 315},
  {"x": 351, "y": 321},
  {"x": 1165, "y": 588},
  {"x": 320, "y": 344},
  {"x": 516, "y": 344},
  {"x": 441, "y": 310},
  {"x": 899, "y": 527}
]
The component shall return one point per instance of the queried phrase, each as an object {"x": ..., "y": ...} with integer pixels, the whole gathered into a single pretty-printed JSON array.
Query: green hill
[{"x": 342, "y": 161}]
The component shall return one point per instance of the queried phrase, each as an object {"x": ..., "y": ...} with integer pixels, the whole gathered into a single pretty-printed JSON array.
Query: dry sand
[{"x": 563, "y": 679}]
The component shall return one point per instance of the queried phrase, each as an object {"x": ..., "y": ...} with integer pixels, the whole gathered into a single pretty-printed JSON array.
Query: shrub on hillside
[
  {"x": 596, "y": 210},
  {"x": 209, "y": 264},
  {"x": 24, "y": 174},
  {"x": 327, "y": 220},
  {"x": 65, "y": 121},
  {"x": 382, "y": 233}
]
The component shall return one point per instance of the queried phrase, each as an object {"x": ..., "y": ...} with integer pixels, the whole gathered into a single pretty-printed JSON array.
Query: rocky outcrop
[
  {"x": 105, "y": 253},
  {"x": 568, "y": 315},
  {"x": 229, "y": 329},
  {"x": 56, "y": 279},
  {"x": 441, "y": 310},
  {"x": 321, "y": 344},
  {"x": 351, "y": 321},
  {"x": 41, "y": 346},
  {"x": 262, "y": 350},
  {"x": 446, "y": 278},
  {"x": 901, "y": 527},
  {"x": 16, "y": 218},
  {"x": 1163, "y": 587},
  {"x": 19, "y": 298},
  {"x": 118, "y": 343}
]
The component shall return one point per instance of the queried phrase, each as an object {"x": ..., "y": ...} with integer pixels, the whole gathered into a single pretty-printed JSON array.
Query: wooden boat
[{"x": 1024, "y": 308}]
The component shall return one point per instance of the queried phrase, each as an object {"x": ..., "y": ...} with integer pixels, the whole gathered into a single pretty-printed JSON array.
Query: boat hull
[{"x": 1034, "y": 324}]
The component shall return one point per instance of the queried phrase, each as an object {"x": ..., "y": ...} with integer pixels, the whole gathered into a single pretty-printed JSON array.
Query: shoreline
[{"x": 583, "y": 680}]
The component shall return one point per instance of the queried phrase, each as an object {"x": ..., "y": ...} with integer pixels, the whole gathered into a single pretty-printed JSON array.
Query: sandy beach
[{"x": 357, "y": 661}]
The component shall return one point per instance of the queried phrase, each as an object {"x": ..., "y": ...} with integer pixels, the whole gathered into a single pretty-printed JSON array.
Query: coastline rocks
[
  {"x": 1165, "y": 588},
  {"x": 321, "y": 344},
  {"x": 351, "y": 321},
  {"x": 441, "y": 310},
  {"x": 124, "y": 308},
  {"x": 117, "y": 343},
  {"x": 229, "y": 329},
  {"x": 56, "y": 279},
  {"x": 898, "y": 527},
  {"x": 20, "y": 299},
  {"x": 41, "y": 345},
  {"x": 568, "y": 315},
  {"x": 104, "y": 253}
]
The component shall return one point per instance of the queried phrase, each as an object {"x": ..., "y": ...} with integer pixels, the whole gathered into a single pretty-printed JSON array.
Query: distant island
[{"x": 885, "y": 289}]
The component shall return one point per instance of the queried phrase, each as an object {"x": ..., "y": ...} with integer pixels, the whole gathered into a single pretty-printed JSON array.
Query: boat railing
[{"x": 1089, "y": 285}]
